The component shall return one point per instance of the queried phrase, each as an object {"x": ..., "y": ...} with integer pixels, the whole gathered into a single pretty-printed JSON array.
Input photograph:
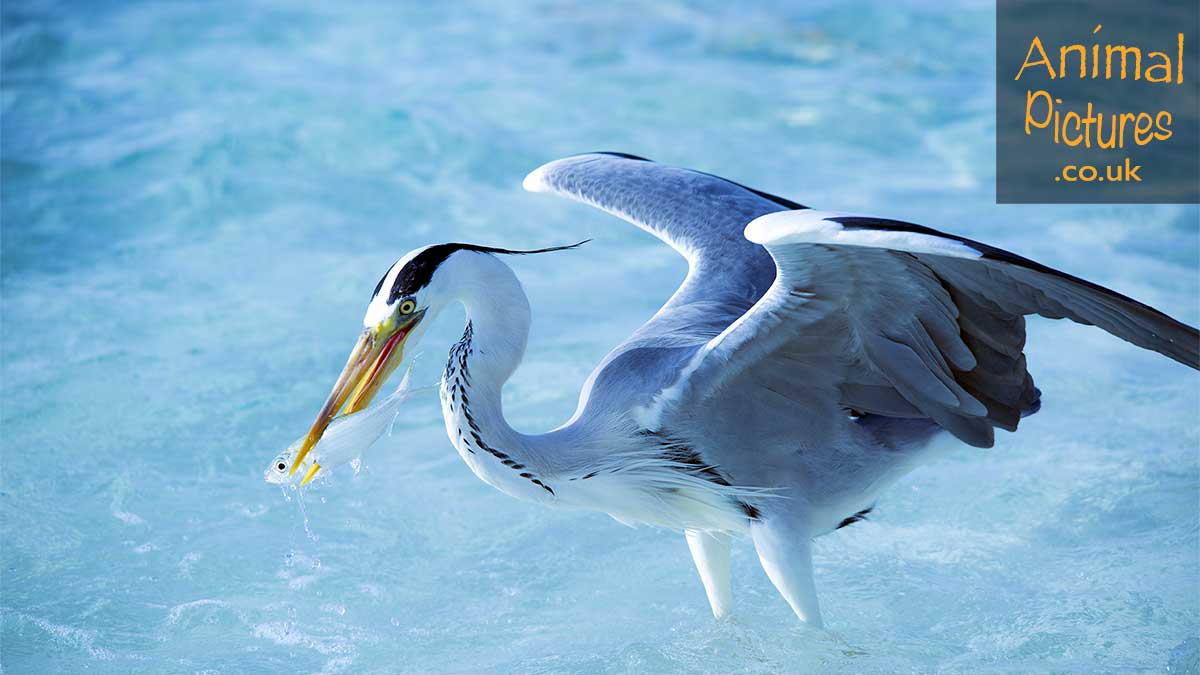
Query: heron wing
[
  {"x": 886, "y": 317},
  {"x": 703, "y": 218}
]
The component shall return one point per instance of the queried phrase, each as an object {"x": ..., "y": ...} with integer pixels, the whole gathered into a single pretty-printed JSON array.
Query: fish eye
[
  {"x": 407, "y": 306},
  {"x": 280, "y": 465}
]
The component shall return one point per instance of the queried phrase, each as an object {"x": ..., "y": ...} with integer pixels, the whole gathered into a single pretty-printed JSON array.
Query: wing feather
[
  {"x": 703, "y": 218},
  {"x": 915, "y": 323},
  {"x": 815, "y": 311}
]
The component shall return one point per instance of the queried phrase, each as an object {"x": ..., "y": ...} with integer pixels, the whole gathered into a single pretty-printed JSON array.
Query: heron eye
[{"x": 407, "y": 307}]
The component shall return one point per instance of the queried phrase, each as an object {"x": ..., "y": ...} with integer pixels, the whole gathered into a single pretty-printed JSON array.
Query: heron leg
[
  {"x": 786, "y": 556},
  {"x": 710, "y": 551}
]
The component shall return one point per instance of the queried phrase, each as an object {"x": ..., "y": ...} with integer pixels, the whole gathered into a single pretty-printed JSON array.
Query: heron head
[
  {"x": 395, "y": 315},
  {"x": 415, "y": 287}
]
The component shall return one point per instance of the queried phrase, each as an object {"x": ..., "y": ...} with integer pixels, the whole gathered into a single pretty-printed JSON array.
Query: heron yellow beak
[{"x": 376, "y": 355}]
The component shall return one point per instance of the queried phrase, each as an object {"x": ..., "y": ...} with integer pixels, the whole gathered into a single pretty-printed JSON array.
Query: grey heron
[{"x": 803, "y": 366}]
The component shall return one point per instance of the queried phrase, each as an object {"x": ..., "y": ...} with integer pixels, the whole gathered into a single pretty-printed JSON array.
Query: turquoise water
[{"x": 199, "y": 197}]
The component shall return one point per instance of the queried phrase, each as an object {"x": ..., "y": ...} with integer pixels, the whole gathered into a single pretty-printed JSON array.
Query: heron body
[{"x": 804, "y": 365}]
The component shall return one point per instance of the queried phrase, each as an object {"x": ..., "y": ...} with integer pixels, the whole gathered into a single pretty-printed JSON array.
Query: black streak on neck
[
  {"x": 457, "y": 378},
  {"x": 861, "y": 515}
]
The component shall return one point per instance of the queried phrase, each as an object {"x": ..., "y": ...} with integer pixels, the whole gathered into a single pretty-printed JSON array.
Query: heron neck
[
  {"x": 491, "y": 348},
  {"x": 493, "y": 344},
  {"x": 498, "y": 320}
]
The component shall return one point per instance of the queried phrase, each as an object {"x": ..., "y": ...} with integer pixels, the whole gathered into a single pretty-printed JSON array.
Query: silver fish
[{"x": 346, "y": 437}]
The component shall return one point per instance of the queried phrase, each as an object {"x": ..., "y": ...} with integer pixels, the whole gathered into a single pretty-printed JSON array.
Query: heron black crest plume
[
  {"x": 509, "y": 251},
  {"x": 418, "y": 271}
]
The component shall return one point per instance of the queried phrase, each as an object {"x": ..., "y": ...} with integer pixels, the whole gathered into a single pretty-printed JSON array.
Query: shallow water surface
[{"x": 199, "y": 197}]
